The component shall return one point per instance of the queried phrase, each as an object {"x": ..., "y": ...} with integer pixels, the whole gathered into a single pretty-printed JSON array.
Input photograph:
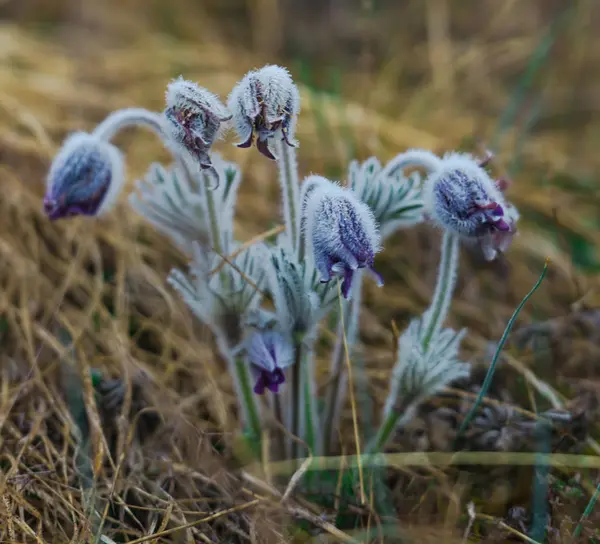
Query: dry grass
[{"x": 428, "y": 75}]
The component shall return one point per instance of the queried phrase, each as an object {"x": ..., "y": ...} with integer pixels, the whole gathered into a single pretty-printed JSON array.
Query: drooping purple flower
[
  {"x": 461, "y": 197},
  {"x": 341, "y": 232},
  {"x": 263, "y": 103},
  {"x": 85, "y": 178},
  {"x": 193, "y": 120},
  {"x": 269, "y": 353}
]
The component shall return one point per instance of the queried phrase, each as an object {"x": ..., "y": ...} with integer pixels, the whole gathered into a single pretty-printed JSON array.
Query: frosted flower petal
[{"x": 85, "y": 178}]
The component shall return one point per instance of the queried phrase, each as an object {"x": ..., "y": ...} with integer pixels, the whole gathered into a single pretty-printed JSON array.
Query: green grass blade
[{"x": 490, "y": 373}]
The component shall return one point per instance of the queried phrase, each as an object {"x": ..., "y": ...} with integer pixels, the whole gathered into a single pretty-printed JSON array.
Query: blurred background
[{"x": 520, "y": 77}]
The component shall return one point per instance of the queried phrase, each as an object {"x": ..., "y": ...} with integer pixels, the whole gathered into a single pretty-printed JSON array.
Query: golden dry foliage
[{"x": 65, "y": 65}]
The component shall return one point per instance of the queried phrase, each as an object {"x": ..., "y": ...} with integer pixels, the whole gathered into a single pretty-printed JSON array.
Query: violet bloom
[
  {"x": 269, "y": 353},
  {"x": 193, "y": 120},
  {"x": 461, "y": 197},
  {"x": 341, "y": 232},
  {"x": 263, "y": 103},
  {"x": 85, "y": 178}
]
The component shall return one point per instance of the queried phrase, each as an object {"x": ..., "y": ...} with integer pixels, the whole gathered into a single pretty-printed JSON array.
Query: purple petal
[
  {"x": 259, "y": 387},
  {"x": 247, "y": 143},
  {"x": 274, "y": 379},
  {"x": 502, "y": 225},
  {"x": 263, "y": 147},
  {"x": 347, "y": 283},
  {"x": 498, "y": 211},
  {"x": 378, "y": 277}
]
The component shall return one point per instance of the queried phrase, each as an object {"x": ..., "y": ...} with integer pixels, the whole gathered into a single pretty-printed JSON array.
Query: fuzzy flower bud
[
  {"x": 263, "y": 103},
  {"x": 85, "y": 178},
  {"x": 193, "y": 120},
  {"x": 461, "y": 197},
  {"x": 269, "y": 353},
  {"x": 341, "y": 233}
]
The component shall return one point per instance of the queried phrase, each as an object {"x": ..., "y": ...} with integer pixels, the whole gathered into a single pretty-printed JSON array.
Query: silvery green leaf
[
  {"x": 222, "y": 300},
  {"x": 395, "y": 200},
  {"x": 296, "y": 304},
  {"x": 419, "y": 373},
  {"x": 173, "y": 200},
  {"x": 173, "y": 204}
]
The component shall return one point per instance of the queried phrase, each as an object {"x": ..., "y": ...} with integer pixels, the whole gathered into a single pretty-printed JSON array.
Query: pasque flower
[
  {"x": 461, "y": 197},
  {"x": 193, "y": 120},
  {"x": 85, "y": 178},
  {"x": 269, "y": 353},
  {"x": 264, "y": 103},
  {"x": 341, "y": 232}
]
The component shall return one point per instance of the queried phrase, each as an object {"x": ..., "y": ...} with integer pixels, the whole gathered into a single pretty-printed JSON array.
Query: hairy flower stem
[
  {"x": 213, "y": 217},
  {"x": 392, "y": 421},
  {"x": 336, "y": 390},
  {"x": 282, "y": 451},
  {"x": 239, "y": 369},
  {"x": 395, "y": 415},
  {"x": 296, "y": 396},
  {"x": 304, "y": 417},
  {"x": 442, "y": 296},
  {"x": 309, "y": 420},
  {"x": 128, "y": 117},
  {"x": 416, "y": 158},
  {"x": 290, "y": 189}
]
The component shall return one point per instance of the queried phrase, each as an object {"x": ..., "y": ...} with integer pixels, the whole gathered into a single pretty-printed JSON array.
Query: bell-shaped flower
[
  {"x": 85, "y": 178},
  {"x": 341, "y": 233},
  {"x": 461, "y": 197},
  {"x": 264, "y": 103},
  {"x": 193, "y": 118},
  {"x": 269, "y": 354}
]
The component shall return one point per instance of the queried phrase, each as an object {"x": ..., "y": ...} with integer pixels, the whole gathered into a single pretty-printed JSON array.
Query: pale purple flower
[
  {"x": 263, "y": 103},
  {"x": 269, "y": 353},
  {"x": 461, "y": 197},
  {"x": 341, "y": 233},
  {"x": 193, "y": 118},
  {"x": 496, "y": 241},
  {"x": 85, "y": 178}
]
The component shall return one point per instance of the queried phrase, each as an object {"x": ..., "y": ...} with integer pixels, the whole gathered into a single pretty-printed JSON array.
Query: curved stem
[
  {"x": 128, "y": 117},
  {"x": 419, "y": 158}
]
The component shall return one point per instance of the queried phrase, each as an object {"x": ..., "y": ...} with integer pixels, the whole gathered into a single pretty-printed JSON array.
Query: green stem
[
  {"x": 290, "y": 189},
  {"x": 436, "y": 314},
  {"x": 490, "y": 373},
  {"x": 587, "y": 512},
  {"x": 296, "y": 397},
  {"x": 336, "y": 391},
  {"x": 392, "y": 421},
  {"x": 213, "y": 216},
  {"x": 310, "y": 434},
  {"x": 280, "y": 441},
  {"x": 248, "y": 401},
  {"x": 129, "y": 117}
]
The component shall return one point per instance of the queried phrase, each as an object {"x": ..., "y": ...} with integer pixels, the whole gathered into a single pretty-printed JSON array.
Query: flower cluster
[{"x": 266, "y": 302}]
